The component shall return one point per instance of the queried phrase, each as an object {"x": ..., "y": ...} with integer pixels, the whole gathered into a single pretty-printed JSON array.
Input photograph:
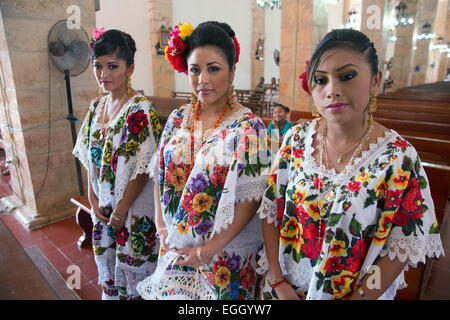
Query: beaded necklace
[{"x": 196, "y": 147}]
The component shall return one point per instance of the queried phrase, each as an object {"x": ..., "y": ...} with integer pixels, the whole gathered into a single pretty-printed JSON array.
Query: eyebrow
[
  {"x": 194, "y": 64},
  {"x": 341, "y": 68}
]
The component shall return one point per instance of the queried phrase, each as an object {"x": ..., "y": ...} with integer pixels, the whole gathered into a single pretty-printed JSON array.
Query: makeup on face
[
  {"x": 209, "y": 75},
  {"x": 110, "y": 72}
]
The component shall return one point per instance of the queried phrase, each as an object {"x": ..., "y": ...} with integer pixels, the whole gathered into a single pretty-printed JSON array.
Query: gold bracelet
[{"x": 199, "y": 256}]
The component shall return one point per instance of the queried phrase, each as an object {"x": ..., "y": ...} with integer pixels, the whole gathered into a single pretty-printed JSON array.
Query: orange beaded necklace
[{"x": 196, "y": 113}]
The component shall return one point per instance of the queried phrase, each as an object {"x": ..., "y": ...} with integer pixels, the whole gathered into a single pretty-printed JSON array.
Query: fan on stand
[{"x": 69, "y": 50}]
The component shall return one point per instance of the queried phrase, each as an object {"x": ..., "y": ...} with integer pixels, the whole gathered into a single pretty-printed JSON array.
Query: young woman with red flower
[
  {"x": 208, "y": 218},
  {"x": 366, "y": 196},
  {"x": 115, "y": 144}
]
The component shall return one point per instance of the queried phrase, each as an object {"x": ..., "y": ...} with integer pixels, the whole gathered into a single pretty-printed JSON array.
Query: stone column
[
  {"x": 160, "y": 14},
  {"x": 437, "y": 60},
  {"x": 43, "y": 172},
  {"x": 403, "y": 49},
  {"x": 258, "y": 32},
  {"x": 425, "y": 14},
  {"x": 296, "y": 48}
]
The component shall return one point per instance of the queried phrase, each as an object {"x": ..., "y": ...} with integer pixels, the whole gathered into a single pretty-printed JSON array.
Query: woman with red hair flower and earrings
[
  {"x": 115, "y": 144},
  {"x": 213, "y": 159},
  {"x": 348, "y": 207}
]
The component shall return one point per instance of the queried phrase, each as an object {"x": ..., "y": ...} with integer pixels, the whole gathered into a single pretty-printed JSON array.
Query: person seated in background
[
  {"x": 260, "y": 87},
  {"x": 279, "y": 125}
]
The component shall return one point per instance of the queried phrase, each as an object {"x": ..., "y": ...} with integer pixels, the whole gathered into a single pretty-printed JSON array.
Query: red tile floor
[{"x": 58, "y": 242}]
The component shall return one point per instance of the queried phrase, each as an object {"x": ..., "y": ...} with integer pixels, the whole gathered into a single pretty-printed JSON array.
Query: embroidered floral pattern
[{"x": 388, "y": 190}]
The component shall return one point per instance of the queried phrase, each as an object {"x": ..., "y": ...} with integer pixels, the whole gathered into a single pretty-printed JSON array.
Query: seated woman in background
[{"x": 348, "y": 206}]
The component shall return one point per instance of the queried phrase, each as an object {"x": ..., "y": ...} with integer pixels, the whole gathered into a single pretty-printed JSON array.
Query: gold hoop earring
[
  {"x": 128, "y": 86},
  {"x": 372, "y": 108},
  {"x": 314, "y": 112}
]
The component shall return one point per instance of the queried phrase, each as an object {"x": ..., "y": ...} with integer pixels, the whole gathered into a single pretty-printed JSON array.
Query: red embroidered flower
[
  {"x": 401, "y": 143},
  {"x": 247, "y": 277},
  {"x": 318, "y": 183},
  {"x": 393, "y": 198},
  {"x": 114, "y": 159},
  {"x": 354, "y": 186},
  {"x": 304, "y": 78},
  {"x": 122, "y": 236},
  {"x": 310, "y": 249},
  {"x": 359, "y": 251},
  {"x": 280, "y": 206},
  {"x": 298, "y": 153},
  {"x": 333, "y": 264},
  {"x": 137, "y": 122},
  {"x": 411, "y": 205},
  {"x": 219, "y": 176}
]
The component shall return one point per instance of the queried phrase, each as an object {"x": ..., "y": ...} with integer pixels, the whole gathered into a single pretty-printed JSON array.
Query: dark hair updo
[
  {"x": 348, "y": 39},
  {"x": 115, "y": 41},
  {"x": 216, "y": 34}
]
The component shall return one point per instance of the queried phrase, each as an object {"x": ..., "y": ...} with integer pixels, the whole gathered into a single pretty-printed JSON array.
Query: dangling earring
[
  {"x": 128, "y": 86},
  {"x": 372, "y": 108},
  {"x": 231, "y": 97},
  {"x": 314, "y": 112},
  {"x": 193, "y": 99},
  {"x": 100, "y": 91}
]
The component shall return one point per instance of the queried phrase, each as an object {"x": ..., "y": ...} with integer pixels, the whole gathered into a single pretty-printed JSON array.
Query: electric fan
[{"x": 69, "y": 50}]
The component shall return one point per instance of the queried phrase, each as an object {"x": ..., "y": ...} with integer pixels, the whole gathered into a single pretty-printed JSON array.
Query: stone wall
[{"x": 28, "y": 100}]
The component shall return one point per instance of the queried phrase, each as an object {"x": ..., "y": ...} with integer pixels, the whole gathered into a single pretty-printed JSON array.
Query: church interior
[{"x": 45, "y": 230}]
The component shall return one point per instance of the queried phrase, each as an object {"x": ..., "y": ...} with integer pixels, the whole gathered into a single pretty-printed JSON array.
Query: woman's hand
[
  {"x": 285, "y": 292},
  {"x": 117, "y": 220},
  {"x": 188, "y": 258},
  {"x": 162, "y": 239},
  {"x": 98, "y": 211}
]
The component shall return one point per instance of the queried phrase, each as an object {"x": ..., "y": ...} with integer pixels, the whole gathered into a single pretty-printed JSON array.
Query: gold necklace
[
  {"x": 331, "y": 194},
  {"x": 340, "y": 155}
]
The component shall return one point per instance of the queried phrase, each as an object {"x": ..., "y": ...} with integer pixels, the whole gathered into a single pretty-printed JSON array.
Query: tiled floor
[{"x": 58, "y": 242}]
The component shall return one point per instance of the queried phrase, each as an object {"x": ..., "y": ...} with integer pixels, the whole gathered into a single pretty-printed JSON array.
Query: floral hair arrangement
[
  {"x": 176, "y": 46},
  {"x": 95, "y": 35},
  {"x": 304, "y": 78}
]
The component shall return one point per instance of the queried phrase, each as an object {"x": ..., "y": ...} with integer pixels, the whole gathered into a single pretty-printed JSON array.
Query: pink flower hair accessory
[
  {"x": 95, "y": 35},
  {"x": 238, "y": 49}
]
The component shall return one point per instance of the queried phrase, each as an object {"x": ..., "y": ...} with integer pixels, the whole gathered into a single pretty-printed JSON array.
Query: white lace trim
[
  {"x": 251, "y": 190},
  {"x": 268, "y": 210},
  {"x": 365, "y": 157},
  {"x": 412, "y": 248}
]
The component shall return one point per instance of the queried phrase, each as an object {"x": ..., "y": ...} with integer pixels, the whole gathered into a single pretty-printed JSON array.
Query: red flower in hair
[
  {"x": 304, "y": 78},
  {"x": 238, "y": 49}
]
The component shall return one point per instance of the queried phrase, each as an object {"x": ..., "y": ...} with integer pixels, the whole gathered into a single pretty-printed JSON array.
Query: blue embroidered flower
[
  {"x": 96, "y": 156},
  {"x": 233, "y": 290},
  {"x": 144, "y": 226}
]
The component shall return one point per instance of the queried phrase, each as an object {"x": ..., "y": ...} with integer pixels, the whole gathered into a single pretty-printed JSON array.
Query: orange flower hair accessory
[
  {"x": 177, "y": 45},
  {"x": 304, "y": 78}
]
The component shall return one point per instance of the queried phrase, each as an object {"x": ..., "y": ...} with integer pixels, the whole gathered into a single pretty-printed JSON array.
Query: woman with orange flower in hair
[
  {"x": 348, "y": 207},
  {"x": 115, "y": 144},
  {"x": 212, "y": 160}
]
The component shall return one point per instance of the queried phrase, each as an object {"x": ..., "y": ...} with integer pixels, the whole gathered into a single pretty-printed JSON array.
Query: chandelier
[
  {"x": 426, "y": 33},
  {"x": 269, "y": 4},
  {"x": 401, "y": 16}
]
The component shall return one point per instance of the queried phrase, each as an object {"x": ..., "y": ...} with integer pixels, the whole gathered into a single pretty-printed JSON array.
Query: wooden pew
[{"x": 84, "y": 220}]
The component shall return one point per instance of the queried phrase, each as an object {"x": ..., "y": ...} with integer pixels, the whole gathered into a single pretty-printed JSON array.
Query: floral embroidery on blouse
[{"x": 386, "y": 189}]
